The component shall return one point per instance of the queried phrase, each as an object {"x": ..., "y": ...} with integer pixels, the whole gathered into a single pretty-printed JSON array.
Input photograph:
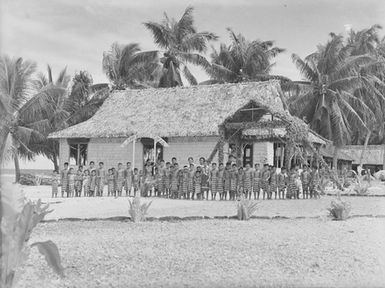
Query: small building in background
[{"x": 373, "y": 157}]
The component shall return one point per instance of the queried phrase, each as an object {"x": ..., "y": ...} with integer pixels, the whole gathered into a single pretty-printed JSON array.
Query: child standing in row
[
  {"x": 64, "y": 179},
  {"x": 86, "y": 182},
  {"x": 93, "y": 184},
  {"x": 248, "y": 182},
  {"x": 78, "y": 183},
  {"x": 214, "y": 181},
  {"x": 55, "y": 183},
  {"x": 256, "y": 182},
  {"x": 71, "y": 182}
]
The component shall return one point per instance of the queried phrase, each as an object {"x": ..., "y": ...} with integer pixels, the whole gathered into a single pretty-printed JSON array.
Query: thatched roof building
[{"x": 182, "y": 111}]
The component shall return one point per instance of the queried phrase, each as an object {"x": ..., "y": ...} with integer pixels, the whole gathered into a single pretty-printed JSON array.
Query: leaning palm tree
[
  {"x": 326, "y": 99},
  {"x": 54, "y": 115},
  {"x": 126, "y": 66},
  {"x": 181, "y": 44},
  {"x": 20, "y": 108},
  {"x": 243, "y": 60}
]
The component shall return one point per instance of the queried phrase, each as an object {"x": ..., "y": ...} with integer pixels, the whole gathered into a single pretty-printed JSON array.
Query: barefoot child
[
  {"x": 111, "y": 183},
  {"x": 256, "y": 181},
  {"x": 265, "y": 179},
  {"x": 101, "y": 176},
  {"x": 197, "y": 184},
  {"x": 55, "y": 183},
  {"x": 136, "y": 181},
  {"x": 205, "y": 184},
  {"x": 240, "y": 183},
  {"x": 227, "y": 180},
  {"x": 78, "y": 183},
  {"x": 282, "y": 183},
  {"x": 233, "y": 181},
  {"x": 64, "y": 179},
  {"x": 273, "y": 183},
  {"x": 220, "y": 181},
  {"x": 214, "y": 181},
  {"x": 86, "y": 182},
  {"x": 120, "y": 173},
  {"x": 191, "y": 174},
  {"x": 184, "y": 182},
  {"x": 93, "y": 184},
  {"x": 248, "y": 182},
  {"x": 128, "y": 179},
  {"x": 71, "y": 183}
]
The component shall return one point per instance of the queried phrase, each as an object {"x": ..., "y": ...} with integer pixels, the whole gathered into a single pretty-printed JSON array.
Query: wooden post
[
  {"x": 154, "y": 151},
  {"x": 133, "y": 152},
  {"x": 383, "y": 158}
]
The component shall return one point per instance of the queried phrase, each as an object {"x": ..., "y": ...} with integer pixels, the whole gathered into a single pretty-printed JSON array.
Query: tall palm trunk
[
  {"x": 55, "y": 162},
  {"x": 16, "y": 161},
  {"x": 17, "y": 168},
  {"x": 335, "y": 158},
  {"x": 383, "y": 158},
  {"x": 364, "y": 149}
]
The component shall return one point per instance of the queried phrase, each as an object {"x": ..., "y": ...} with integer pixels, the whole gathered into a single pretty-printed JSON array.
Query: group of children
[{"x": 202, "y": 181}]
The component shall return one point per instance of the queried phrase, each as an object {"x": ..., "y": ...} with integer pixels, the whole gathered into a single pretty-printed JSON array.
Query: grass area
[{"x": 213, "y": 253}]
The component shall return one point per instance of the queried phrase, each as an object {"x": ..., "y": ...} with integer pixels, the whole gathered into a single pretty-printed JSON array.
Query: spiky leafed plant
[
  {"x": 21, "y": 108},
  {"x": 181, "y": 44},
  {"x": 243, "y": 60},
  {"x": 126, "y": 66},
  {"x": 325, "y": 98}
]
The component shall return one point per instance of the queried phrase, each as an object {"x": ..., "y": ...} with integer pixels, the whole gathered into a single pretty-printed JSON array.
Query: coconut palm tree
[
  {"x": 128, "y": 66},
  {"x": 21, "y": 108},
  {"x": 181, "y": 44},
  {"x": 243, "y": 60},
  {"x": 326, "y": 97},
  {"x": 55, "y": 115},
  {"x": 367, "y": 41}
]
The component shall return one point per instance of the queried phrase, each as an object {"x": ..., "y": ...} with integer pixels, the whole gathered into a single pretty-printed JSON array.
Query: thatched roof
[
  {"x": 328, "y": 151},
  {"x": 182, "y": 111},
  {"x": 373, "y": 155},
  {"x": 267, "y": 129}
]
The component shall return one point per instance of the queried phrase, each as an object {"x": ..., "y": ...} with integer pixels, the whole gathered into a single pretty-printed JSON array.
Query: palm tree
[
  {"x": 20, "y": 112},
  {"x": 367, "y": 41},
  {"x": 326, "y": 97},
  {"x": 243, "y": 60},
  {"x": 66, "y": 109},
  {"x": 55, "y": 115},
  {"x": 181, "y": 44},
  {"x": 128, "y": 66}
]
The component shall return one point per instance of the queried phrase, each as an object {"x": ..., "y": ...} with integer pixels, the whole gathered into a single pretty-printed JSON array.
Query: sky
[{"x": 75, "y": 33}]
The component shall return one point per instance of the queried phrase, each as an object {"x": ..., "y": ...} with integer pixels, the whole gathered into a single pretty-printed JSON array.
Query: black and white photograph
[{"x": 192, "y": 143}]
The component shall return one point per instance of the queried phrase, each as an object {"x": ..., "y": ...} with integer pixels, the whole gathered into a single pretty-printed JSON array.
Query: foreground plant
[
  {"x": 137, "y": 210},
  {"x": 360, "y": 187},
  {"x": 339, "y": 210},
  {"x": 246, "y": 208},
  {"x": 18, "y": 221}
]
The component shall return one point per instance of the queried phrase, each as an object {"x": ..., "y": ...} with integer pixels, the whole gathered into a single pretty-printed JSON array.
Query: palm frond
[
  {"x": 160, "y": 33},
  {"x": 190, "y": 78}
]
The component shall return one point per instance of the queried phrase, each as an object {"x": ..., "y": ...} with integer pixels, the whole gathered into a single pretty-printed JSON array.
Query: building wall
[
  {"x": 184, "y": 147},
  {"x": 107, "y": 150},
  {"x": 263, "y": 153}
]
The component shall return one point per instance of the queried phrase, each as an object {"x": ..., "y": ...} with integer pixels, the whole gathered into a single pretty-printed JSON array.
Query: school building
[{"x": 212, "y": 121}]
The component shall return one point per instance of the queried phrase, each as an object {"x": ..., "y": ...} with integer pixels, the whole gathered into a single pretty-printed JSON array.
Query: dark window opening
[
  {"x": 248, "y": 155},
  {"x": 78, "y": 154},
  {"x": 279, "y": 155}
]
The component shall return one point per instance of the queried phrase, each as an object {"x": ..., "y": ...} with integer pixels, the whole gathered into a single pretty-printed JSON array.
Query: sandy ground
[
  {"x": 213, "y": 253},
  {"x": 307, "y": 252},
  {"x": 103, "y": 207}
]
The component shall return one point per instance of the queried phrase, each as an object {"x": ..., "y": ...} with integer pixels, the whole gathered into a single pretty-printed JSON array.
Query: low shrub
[
  {"x": 339, "y": 210},
  {"x": 19, "y": 218},
  {"x": 137, "y": 210},
  {"x": 246, "y": 208}
]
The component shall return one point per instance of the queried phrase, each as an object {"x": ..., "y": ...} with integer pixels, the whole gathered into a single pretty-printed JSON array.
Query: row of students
[{"x": 191, "y": 182}]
